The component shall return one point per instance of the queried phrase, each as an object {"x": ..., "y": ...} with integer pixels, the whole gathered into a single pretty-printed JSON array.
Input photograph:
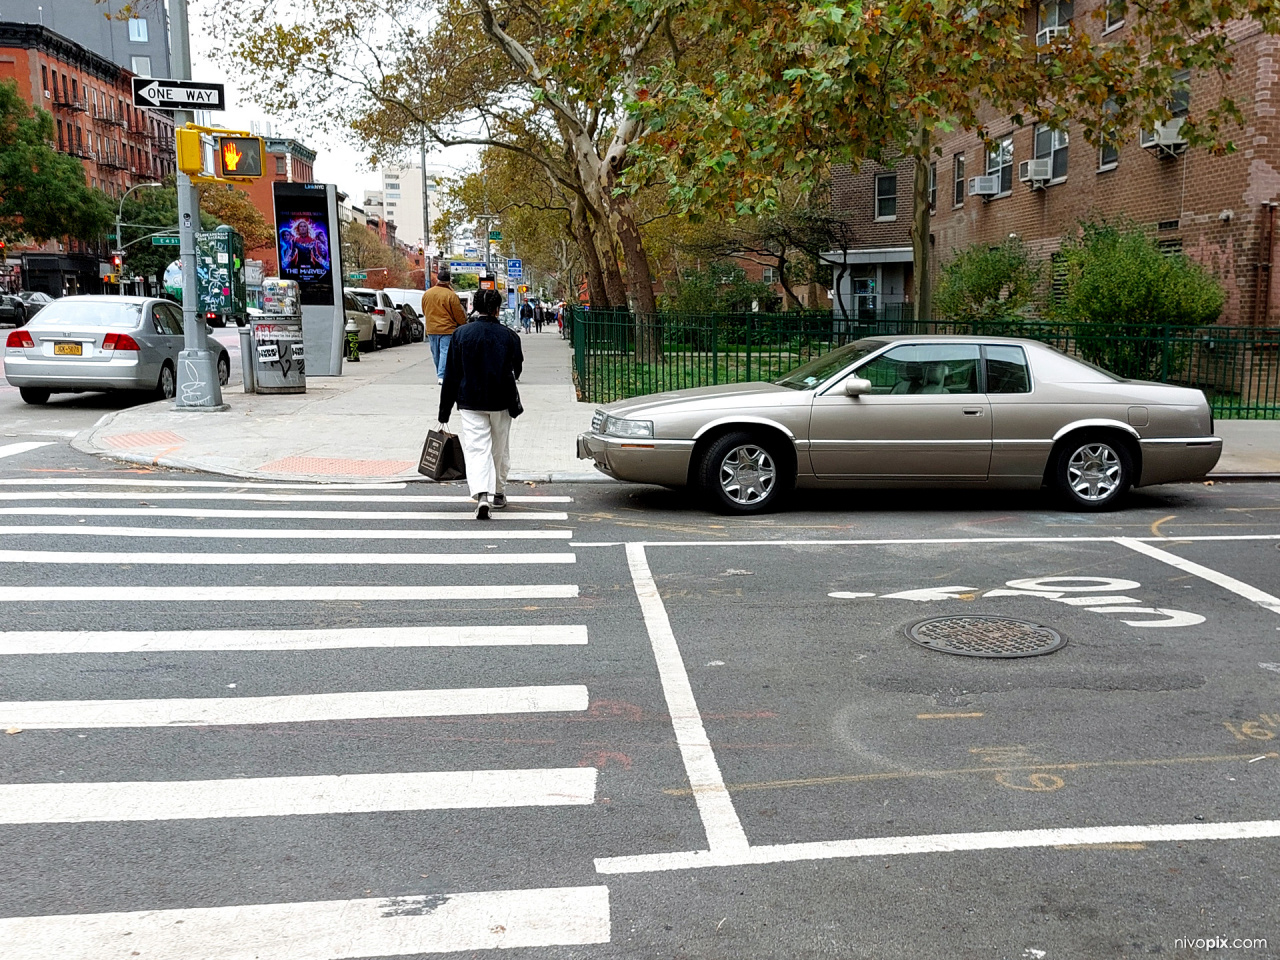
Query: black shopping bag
[{"x": 442, "y": 457}]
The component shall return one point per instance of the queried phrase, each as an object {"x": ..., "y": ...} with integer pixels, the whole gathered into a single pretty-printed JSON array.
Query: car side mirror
[{"x": 856, "y": 386}]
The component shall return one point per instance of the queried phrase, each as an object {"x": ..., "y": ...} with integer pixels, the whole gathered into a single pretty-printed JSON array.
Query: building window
[
  {"x": 957, "y": 173},
  {"x": 1055, "y": 13},
  {"x": 75, "y": 90},
  {"x": 886, "y": 196},
  {"x": 44, "y": 77},
  {"x": 142, "y": 66},
  {"x": 1108, "y": 156},
  {"x": 1115, "y": 14},
  {"x": 1051, "y": 144},
  {"x": 280, "y": 166},
  {"x": 933, "y": 186},
  {"x": 1000, "y": 164},
  {"x": 138, "y": 30},
  {"x": 61, "y": 145},
  {"x": 393, "y": 196},
  {"x": 1180, "y": 102},
  {"x": 769, "y": 275},
  {"x": 392, "y": 186}
]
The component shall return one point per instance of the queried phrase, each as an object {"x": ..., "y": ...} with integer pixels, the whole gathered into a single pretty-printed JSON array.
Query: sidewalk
[{"x": 370, "y": 423}]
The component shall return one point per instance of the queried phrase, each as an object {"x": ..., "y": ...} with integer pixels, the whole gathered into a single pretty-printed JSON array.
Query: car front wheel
[
  {"x": 745, "y": 473},
  {"x": 1092, "y": 471},
  {"x": 224, "y": 370},
  {"x": 167, "y": 387}
]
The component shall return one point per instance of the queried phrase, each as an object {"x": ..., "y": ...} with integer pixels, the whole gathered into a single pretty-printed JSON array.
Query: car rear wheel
[
  {"x": 167, "y": 386},
  {"x": 224, "y": 370},
  {"x": 1092, "y": 471},
  {"x": 34, "y": 395},
  {"x": 745, "y": 473}
]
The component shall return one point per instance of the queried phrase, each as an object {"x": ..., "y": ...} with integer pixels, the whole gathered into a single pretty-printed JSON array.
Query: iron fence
[{"x": 619, "y": 355}]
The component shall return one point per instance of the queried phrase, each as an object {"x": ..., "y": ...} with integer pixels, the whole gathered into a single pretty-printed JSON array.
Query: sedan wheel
[
  {"x": 34, "y": 395},
  {"x": 741, "y": 473},
  {"x": 167, "y": 388},
  {"x": 1092, "y": 473},
  {"x": 224, "y": 370}
]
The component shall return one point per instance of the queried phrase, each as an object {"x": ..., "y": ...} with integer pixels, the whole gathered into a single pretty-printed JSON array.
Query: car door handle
[{"x": 972, "y": 411}]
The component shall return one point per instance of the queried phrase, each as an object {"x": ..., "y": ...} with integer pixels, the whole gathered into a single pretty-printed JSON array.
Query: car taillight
[
  {"x": 19, "y": 338},
  {"x": 379, "y": 312},
  {"x": 119, "y": 341}
]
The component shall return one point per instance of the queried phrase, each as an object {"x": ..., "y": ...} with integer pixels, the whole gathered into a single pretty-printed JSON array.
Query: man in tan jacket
[{"x": 441, "y": 314}]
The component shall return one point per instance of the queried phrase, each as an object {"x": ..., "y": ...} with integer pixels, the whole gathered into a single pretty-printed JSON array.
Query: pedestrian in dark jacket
[{"x": 485, "y": 361}]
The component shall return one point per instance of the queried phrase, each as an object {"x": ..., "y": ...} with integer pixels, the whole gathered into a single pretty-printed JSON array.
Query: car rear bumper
[
  {"x": 1167, "y": 460},
  {"x": 118, "y": 373},
  {"x": 641, "y": 461}
]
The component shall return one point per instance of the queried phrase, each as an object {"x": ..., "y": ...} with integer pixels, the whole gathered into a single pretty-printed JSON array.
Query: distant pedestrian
[
  {"x": 484, "y": 364},
  {"x": 442, "y": 314},
  {"x": 539, "y": 317},
  {"x": 526, "y": 315}
]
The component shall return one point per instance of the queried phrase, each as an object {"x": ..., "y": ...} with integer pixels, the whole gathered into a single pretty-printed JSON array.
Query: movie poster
[{"x": 306, "y": 254}]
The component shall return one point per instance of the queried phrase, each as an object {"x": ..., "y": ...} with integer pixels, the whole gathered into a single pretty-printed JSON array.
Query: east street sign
[{"x": 178, "y": 94}]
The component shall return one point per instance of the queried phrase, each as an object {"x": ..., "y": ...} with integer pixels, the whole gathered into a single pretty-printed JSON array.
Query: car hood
[{"x": 728, "y": 394}]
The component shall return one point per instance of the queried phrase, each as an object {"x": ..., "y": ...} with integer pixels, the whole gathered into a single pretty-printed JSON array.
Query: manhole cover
[{"x": 985, "y": 636}]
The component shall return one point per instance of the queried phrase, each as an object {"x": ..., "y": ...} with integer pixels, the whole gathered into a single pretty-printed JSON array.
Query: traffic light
[
  {"x": 115, "y": 262},
  {"x": 240, "y": 157},
  {"x": 190, "y": 153}
]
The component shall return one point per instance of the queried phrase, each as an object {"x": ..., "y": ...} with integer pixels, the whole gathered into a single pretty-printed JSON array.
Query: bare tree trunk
[
  {"x": 639, "y": 284},
  {"x": 789, "y": 299},
  {"x": 579, "y": 224},
  {"x": 922, "y": 282}
]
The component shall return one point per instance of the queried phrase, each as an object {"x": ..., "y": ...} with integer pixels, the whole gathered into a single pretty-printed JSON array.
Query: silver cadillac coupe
[{"x": 974, "y": 412}]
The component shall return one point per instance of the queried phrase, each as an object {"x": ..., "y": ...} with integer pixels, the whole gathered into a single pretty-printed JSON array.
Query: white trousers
[{"x": 486, "y": 447}]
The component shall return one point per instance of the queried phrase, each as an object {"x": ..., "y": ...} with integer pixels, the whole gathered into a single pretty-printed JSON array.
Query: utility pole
[
  {"x": 426, "y": 212},
  {"x": 198, "y": 387}
]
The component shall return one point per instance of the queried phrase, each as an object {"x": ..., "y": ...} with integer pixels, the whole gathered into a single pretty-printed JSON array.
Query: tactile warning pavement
[
  {"x": 152, "y": 438},
  {"x": 337, "y": 467}
]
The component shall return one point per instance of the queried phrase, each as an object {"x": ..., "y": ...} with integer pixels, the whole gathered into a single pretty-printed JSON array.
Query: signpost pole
[{"x": 198, "y": 387}]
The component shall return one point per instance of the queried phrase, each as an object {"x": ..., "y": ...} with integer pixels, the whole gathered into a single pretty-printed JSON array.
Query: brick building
[
  {"x": 287, "y": 161},
  {"x": 1218, "y": 210}
]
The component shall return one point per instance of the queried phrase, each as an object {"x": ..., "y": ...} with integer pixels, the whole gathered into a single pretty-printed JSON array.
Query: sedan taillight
[
  {"x": 379, "y": 312},
  {"x": 20, "y": 338},
  {"x": 119, "y": 341}
]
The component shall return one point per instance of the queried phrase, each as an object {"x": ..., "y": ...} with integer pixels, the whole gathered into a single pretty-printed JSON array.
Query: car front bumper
[
  {"x": 639, "y": 460},
  {"x": 118, "y": 373}
]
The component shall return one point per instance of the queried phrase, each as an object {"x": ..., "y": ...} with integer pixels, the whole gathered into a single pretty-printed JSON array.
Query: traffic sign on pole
[
  {"x": 165, "y": 241},
  {"x": 515, "y": 269},
  {"x": 178, "y": 94}
]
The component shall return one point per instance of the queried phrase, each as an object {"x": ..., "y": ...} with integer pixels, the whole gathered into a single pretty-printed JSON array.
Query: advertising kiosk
[{"x": 308, "y": 248}]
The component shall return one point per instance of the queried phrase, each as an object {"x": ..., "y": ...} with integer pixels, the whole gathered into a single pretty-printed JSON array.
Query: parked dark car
[
  {"x": 13, "y": 310},
  {"x": 35, "y": 301}
]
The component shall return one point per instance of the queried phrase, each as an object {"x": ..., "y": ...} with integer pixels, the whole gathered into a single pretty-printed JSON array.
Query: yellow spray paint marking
[
  {"x": 1036, "y": 783},
  {"x": 947, "y": 716},
  {"x": 1261, "y": 729},
  {"x": 1155, "y": 527}
]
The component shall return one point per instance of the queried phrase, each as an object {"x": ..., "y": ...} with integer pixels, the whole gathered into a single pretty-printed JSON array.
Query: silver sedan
[
  {"x": 78, "y": 344},
  {"x": 959, "y": 412}
]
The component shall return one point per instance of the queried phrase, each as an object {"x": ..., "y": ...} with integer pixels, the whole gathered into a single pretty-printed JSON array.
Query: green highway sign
[
  {"x": 164, "y": 241},
  {"x": 357, "y": 276},
  {"x": 112, "y": 236},
  {"x": 495, "y": 236}
]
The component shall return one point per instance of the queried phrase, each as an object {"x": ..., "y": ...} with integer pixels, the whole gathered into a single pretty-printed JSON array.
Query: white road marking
[
  {"x": 125, "y": 641},
  {"x": 13, "y": 449},
  {"x": 294, "y": 796},
  {"x": 283, "y": 559},
  {"x": 232, "y": 533},
  {"x": 724, "y": 830},
  {"x": 221, "y": 514},
  {"x": 264, "y": 497},
  {"x": 926, "y": 541},
  {"x": 143, "y": 482},
  {"x": 1073, "y": 584},
  {"x": 1172, "y": 618},
  {"x": 325, "y": 930},
  {"x": 1274, "y": 667},
  {"x": 926, "y": 594},
  {"x": 304, "y": 708},
  {"x": 940, "y": 843},
  {"x": 137, "y": 594},
  {"x": 1238, "y": 587}
]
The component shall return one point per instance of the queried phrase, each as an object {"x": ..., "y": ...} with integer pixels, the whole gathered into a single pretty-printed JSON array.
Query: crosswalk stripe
[
  {"x": 125, "y": 641},
  {"x": 139, "y": 594},
  {"x": 325, "y": 930},
  {"x": 219, "y": 514},
  {"x": 145, "y": 482},
  {"x": 298, "y": 708},
  {"x": 231, "y": 533},
  {"x": 263, "y": 497},
  {"x": 283, "y": 559},
  {"x": 13, "y": 449},
  {"x": 294, "y": 796}
]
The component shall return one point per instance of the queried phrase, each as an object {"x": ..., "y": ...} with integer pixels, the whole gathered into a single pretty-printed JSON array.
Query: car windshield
[
  {"x": 813, "y": 374},
  {"x": 88, "y": 313},
  {"x": 366, "y": 300}
]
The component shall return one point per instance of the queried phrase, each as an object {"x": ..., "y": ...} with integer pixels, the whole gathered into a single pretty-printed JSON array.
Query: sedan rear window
[
  {"x": 87, "y": 313},
  {"x": 813, "y": 374}
]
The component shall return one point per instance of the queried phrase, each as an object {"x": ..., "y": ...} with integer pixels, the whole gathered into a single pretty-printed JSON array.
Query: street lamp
[{"x": 119, "y": 251}]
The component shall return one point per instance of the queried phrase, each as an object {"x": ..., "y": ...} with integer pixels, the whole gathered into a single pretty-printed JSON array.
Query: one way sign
[{"x": 178, "y": 94}]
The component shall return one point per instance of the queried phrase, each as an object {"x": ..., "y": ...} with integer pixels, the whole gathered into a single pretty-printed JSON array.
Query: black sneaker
[
  {"x": 482, "y": 508},
  {"x": 499, "y": 501}
]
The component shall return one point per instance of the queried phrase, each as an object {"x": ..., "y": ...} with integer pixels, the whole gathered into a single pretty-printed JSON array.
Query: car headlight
[{"x": 617, "y": 427}]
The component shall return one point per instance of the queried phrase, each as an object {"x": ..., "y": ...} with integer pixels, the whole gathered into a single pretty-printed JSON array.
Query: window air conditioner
[
  {"x": 988, "y": 186},
  {"x": 1045, "y": 36},
  {"x": 1036, "y": 172},
  {"x": 1166, "y": 138}
]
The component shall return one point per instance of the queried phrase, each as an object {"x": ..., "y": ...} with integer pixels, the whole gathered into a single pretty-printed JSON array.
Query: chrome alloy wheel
[
  {"x": 748, "y": 474},
  {"x": 1094, "y": 472}
]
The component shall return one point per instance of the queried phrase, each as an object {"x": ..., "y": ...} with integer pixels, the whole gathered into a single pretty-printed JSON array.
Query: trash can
[
  {"x": 278, "y": 362},
  {"x": 246, "y": 358}
]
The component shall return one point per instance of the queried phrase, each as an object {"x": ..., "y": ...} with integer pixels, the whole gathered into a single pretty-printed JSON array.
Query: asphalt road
[{"x": 456, "y": 770}]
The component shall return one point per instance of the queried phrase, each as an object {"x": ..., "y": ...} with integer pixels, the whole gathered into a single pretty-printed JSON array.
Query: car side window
[
  {"x": 172, "y": 319},
  {"x": 1007, "y": 370},
  {"x": 159, "y": 320},
  {"x": 924, "y": 368}
]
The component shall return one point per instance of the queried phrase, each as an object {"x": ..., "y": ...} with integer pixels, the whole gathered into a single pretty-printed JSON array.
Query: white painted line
[
  {"x": 889, "y": 542},
  {"x": 1238, "y": 587},
  {"x": 305, "y": 708},
  {"x": 941, "y": 843},
  {"x": 217, "y": 514},
  {"x": 264, "y": 497},
  {"x": 13, "y": 449},
  {"x": 125, "y": 641},
  {"x": 325, "y": 930},
  {"x": 294, "y": 796},
  {"x": 136, "y": 594},
  {"x": 724, "y": 830},
  {"x": 236, "y": 484},
  {"x": 232, "y": 533},
  {"x": 284, "y": 559}
]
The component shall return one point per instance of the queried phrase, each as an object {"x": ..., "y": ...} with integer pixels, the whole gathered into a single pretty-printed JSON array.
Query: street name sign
[
  {"x": 357, "y": 276},
  {"x": 467, "y": 266},
  {"x": 515, "y": 269},
  {"x": 166, "y": 242},
  {"x": 178, "y": 94},
  {"x": 495, "y": 236}
]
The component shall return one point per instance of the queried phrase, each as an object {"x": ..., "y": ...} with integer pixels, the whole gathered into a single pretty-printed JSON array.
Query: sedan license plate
[{"x": 68, "y": 349}]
